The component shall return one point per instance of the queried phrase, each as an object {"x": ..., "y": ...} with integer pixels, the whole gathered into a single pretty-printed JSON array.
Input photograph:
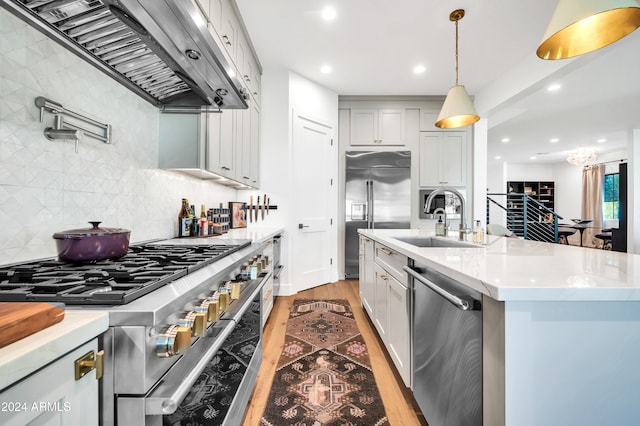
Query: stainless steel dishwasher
[{"x": 447, "y": 349}]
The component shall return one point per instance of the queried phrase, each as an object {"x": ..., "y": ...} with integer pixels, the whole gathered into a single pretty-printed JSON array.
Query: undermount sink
[{"x": 434, "y": 242}]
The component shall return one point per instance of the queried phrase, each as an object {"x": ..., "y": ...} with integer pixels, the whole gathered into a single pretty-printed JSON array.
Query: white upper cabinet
[
  {"x": 230, "y": 144},
  {"x": 443, "y": 158},
  {"x": 372, "y": 126},
  {"x": 255, "y": 146},
  {"x": 220, "y": 148}
]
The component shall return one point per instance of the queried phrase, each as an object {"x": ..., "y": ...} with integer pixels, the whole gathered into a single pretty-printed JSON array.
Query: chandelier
[{"x": 581, "y": 156}]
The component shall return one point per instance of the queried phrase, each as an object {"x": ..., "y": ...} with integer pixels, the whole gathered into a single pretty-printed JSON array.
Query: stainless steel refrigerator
[{"x": 378, "y": 196}]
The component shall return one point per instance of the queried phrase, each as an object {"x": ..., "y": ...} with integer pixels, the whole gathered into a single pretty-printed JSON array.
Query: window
[{"x": 610, "y": 208}]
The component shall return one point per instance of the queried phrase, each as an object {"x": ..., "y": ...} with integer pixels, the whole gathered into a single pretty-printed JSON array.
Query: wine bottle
[{"x": 184, "y": 227}]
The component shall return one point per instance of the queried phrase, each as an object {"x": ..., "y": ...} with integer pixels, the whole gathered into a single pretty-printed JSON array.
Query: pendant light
[
  {"x": 457, "y": 110},
  {"x": 582, "y": 26}
]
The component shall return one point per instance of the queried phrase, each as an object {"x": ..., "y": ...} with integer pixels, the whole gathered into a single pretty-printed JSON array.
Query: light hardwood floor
[{"x": 397, "y": 399}]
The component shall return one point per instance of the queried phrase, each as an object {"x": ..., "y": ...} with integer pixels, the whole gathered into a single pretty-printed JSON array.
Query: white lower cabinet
[
  {"x": 399, "y": 340},
  {"x": 367, "y": 278},
  {"x": 267, "y": 299},
  {"x": 386, "y": 296},
  {"x": 52, "y": 395},
  {"x": 381, "y": 302}
]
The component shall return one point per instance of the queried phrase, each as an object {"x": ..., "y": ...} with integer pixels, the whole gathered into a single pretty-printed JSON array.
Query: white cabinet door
[
  {"x": 255, "y": 80},
  {"x": 380, "y": 303},
  {"x": 220, "y": 144},
  {"x": 399, "y": 341},
  {"x": 367, "y": 276},
  {"x": 243, "y": 145},
  {"x": 227, "y": 143},
  {"x": 372, "y": 126},
  {"x": 241, "y": 58},
  {"x": 215, "y": 13},
  {"x": 229, "y": 29},
  {"x": 430, "y": 159},
  {"x": 391, "y": 126},
  {"x": 364, "y": 126},
  {"x": 443, "y": 158},
  {"x": 255, "y": 146},
  {"x": 52, "y": 395},
  {"x": 454, "y": 158},
  {"x": 267, "y": 299}
]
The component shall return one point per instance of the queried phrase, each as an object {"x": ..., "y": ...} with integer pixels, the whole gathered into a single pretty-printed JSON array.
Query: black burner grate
[{"x": 109, "y": 282}]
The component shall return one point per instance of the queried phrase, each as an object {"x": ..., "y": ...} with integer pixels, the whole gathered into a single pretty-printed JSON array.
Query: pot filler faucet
[{"x": 455, "y": 192}]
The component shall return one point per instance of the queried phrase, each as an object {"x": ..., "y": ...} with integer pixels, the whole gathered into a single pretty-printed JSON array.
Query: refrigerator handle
[{"x": 370, "y": 204}]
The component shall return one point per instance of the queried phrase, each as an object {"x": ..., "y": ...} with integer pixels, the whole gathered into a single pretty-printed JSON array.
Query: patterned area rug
[{"x": 323, "y": 375}]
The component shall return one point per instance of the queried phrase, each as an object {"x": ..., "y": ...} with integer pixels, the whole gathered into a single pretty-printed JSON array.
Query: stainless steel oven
[{"x": 184, "y": 337}]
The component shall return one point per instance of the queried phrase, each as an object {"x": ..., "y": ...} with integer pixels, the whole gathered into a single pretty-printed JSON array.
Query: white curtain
[{"x": 592, "y": 183}]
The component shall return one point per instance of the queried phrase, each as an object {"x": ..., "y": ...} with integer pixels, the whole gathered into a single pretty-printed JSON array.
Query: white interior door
[{"x": 312, "y": 170}]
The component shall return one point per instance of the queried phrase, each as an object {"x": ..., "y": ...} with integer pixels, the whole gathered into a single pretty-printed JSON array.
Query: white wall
[
  {"x": 46, "y": 187},
  {"x": 283, "y": 92},
  {"x": 534, "y": 172}
]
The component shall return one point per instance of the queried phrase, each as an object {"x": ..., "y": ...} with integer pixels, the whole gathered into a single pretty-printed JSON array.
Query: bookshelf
[{"x": 541, "y": 191}]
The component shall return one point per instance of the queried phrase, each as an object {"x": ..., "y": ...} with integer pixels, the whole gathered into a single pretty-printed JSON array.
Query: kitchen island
[{"x": 561, "y": 326}]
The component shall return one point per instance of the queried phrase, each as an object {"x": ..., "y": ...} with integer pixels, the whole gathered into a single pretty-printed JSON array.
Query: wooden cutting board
[{"x": 20, "y": 319}]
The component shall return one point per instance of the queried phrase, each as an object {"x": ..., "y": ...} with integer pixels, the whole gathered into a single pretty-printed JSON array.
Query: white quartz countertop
[
  {"x": 30, "y": 353},
  {"x": 256, "y": 235},
  {"x": 511, "y": 269}
]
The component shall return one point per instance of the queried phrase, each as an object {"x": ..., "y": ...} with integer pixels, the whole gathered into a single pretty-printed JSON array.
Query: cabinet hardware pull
[
  {"x": 384, "y": 277},
  {"x": 385, "y": 251},
  {"x": 88, "y": 362}
]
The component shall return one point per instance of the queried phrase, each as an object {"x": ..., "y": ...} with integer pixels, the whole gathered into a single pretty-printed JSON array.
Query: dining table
[{"x": 580, "y": 225}]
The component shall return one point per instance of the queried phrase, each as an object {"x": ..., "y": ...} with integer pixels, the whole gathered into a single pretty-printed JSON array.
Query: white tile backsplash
[{"x": 46, "y": 187}]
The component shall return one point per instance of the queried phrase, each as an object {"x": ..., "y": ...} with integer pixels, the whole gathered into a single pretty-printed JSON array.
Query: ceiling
[{"x": 372, "y": 47}]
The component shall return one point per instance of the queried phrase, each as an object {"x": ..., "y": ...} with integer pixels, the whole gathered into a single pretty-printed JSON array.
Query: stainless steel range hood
[{"x": 160, "y": 49}]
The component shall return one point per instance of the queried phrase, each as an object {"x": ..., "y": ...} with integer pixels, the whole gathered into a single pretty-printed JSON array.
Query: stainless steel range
[{"x": 184, "y": 339}]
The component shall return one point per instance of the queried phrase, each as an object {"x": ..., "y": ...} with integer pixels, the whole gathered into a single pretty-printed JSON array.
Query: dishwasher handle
[{"x": 462, "y": 303}]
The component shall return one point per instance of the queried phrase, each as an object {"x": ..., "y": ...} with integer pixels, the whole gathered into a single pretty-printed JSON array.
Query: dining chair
[
  {"x": 563, "y": 234},
  {"x": 605, "y": 236}
]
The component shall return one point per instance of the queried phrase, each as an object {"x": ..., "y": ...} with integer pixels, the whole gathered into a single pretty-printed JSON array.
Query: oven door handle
[
  {"x": 167, "y": 397},
  {"x": 245, "y": 300}
]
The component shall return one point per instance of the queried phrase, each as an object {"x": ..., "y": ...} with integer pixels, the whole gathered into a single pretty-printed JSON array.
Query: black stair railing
[{"x": 524, "y": 216}]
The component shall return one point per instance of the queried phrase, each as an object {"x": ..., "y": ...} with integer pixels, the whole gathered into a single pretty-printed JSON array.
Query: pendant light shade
[
  {"x": 458, "y": 109},
  {"x": 582, "y": 26}
]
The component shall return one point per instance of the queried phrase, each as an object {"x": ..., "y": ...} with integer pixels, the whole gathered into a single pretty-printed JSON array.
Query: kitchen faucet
[{"x": 455, "y": 192}]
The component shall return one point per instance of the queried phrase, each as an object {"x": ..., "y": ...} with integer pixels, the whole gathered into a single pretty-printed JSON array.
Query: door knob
[{"x": 300, "y": 226}]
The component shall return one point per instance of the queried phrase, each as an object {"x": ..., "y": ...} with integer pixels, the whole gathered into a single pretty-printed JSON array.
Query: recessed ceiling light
[
  {"x": 602, "y": 140},
  {"x": 554, "y": 140},
  {"x": 498, "y": 157},
  {"x": 505, "y": 140},
  {"x": 533, "y": 157},
  {"x": 554, "y": 87},
  {"x": 419, "y": 69},
  {"x": 329, "y": 13},
  {"x": 326, "y": 69}
]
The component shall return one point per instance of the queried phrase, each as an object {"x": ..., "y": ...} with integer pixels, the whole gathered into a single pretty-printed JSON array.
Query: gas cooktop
[{"x": 143, "y": 269}]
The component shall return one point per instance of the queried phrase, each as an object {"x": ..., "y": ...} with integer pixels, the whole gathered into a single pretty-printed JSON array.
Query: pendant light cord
[{"x": 456, "y": 52}]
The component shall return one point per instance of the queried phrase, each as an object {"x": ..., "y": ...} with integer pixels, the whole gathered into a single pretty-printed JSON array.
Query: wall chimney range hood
[{"x": 159, "y": 49}]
